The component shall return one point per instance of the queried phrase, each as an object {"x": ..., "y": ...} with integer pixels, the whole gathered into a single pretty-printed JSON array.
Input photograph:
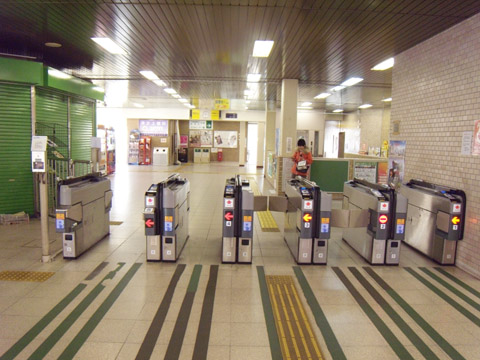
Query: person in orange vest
[{"x": 302, "y": 160}]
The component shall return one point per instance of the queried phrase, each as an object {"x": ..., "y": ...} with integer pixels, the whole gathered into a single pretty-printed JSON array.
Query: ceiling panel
[{"x": 203, "y": 48}]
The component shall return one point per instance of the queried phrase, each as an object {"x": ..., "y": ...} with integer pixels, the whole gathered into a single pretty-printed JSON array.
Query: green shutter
[
  {"x": 82, "y": 115},
  {"x": 51, "y": 121},
  {"x": 16, "y": 178}
]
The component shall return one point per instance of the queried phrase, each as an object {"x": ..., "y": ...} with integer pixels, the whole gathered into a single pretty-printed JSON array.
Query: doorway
[{"x": 252, "y": 141}]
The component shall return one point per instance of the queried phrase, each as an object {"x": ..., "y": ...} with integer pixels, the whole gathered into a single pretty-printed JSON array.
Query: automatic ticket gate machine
[
  {"x": 237, "y": 229},
  {"x": 435, "y": 219},
  {"x": 167, "y": 205},
  {"x": 307, "y": 221},
  {"x": 377, "y": 237},
  {"x": 83, "y": 212}
]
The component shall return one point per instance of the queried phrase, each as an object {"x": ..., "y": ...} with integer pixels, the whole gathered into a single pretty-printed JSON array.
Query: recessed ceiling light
[
  {"x": 304, "y": 107},
  {"x": 262, "y": 48},
  {"x": 176, "y": 96},
  {"x": 387, "y": 99},
  {"x": 170, "y": 91},
  {"x": 384, "y": 65},
  {"x": 253, "y": 77},
  {"x": 159, "y": 83},
  {"x": 338, "y": 88},
  {"x": 365, "y": 106},
  {"x": 53, "y": 44},
  {"x": 322, "y": 96},
  {"x": 183, "y": 100},
  {"x": 338, "y": 110},
  {"x": 351, "y": 81},
  {"x": 150, "y": 75},
  {"x": 98, "y": 88},
  {"x": 58, "y": 74},
  {"x": 138, "y": 105},
  {"x": 306, "y": 103},
  {"x": 109, "y": 45}
]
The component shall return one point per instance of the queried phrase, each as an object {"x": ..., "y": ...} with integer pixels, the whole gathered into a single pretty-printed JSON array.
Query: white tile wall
[{"x": 436, "y": 97}]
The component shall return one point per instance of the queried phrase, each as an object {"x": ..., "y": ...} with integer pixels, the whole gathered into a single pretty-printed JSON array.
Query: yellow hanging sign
[
  {"x": 195, "y": 114},
  {"x": 222, "y": 104},
  {"x": 215, "y": 115}
]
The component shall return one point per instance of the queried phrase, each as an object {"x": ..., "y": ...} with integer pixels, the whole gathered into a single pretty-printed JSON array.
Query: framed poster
[
  {"x": 200, "y": 138},
  {"x": 225, "y": 139}
]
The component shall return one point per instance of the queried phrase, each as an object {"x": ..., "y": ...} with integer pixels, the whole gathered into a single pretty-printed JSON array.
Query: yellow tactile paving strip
[
  {"x": 32, "y": 276},
  {"x": 265, "y": 218},
  {"x": 297, "y": 339}
]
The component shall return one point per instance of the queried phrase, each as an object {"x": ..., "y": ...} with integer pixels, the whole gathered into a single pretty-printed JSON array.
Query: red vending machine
[{"x": 145, "y": 151}]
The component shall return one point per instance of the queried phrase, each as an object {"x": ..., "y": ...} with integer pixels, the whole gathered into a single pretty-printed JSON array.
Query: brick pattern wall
[{"x": 436, "y": 97}]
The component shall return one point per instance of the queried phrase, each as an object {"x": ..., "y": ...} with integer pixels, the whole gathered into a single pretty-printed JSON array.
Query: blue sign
[
  {"x": 168, "y": 226},
  {"x": 247, "y": 226},
  {"x": 400, "y": 229},
  {"x": 60, "y": 224},
  {"x": 324, "y": 228}
]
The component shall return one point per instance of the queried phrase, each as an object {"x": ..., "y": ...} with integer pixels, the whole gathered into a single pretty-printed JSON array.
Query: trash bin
[{"x": 219, "y": 155}]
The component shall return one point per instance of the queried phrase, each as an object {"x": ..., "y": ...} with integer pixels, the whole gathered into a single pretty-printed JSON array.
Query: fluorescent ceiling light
[
  {"x": 98, "y": 88},
  {"x": 352, "y": 81},
  {"x": 159, "y": 83},
  {"x": 109, "y": 45},
  {"x": 176, "y": 96},
  {"x": 384, "y": 65},
  {"x": 247, "y": 92},
  {"x": 304, "y": 107},
  {"x": 338, "y": 110},
  {"x": 253, "y": 77},
  {"x": 183, "y": 100},
  {"x": 138, "y": 105},
  {"x": 338, "y": 88},
  {"x": 306, "y": 103},
  {"x": 387, "y": 99},
  {"x": 150, "y": 75},
  {"x": 190, "y": 106},
  {"x": 262, "y": 48},
  {"x": 58, "y": 74},
  {"x": 365, "y": 106},
  {"x": 170, "y": 91},
  {"x": 322, "y": 96}
]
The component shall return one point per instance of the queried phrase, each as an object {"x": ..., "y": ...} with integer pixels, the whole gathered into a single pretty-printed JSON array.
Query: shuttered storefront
[
  {"x": 82, "y": 115},
  {"x": 16, "y": 178}
]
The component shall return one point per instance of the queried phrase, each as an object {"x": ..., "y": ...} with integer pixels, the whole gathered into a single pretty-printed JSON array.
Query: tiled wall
[{"x": 436, "y": 97}]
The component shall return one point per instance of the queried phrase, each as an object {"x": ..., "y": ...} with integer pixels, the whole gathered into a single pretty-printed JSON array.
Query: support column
[
  {"x": 288, "y": 131},
  {"x": 260, "y": 145},
  {"x": 270, "y": 119},
  {"x": 242, "y": 144}
]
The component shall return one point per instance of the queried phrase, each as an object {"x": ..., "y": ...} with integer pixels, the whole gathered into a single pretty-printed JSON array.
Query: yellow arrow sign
[{"x": 455, "y": 220}]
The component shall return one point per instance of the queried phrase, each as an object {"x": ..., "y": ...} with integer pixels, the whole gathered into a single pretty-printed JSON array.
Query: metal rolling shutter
[
  {"x": 82, "y": 116},
  {"x": 16, "y": 178}
]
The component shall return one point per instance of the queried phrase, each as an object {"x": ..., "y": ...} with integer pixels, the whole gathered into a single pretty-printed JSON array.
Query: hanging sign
[
  {"x": 215, "y": 115},
  {"x": 153, "y": 127},
  {"x": 195, "y": 114},
  {"x": 222, "y": 104},
  {"x": 200, "y": 125}
]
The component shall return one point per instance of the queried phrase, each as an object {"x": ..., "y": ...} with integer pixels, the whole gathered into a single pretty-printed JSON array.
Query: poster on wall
[
  {"x": 476, "y": 139},
  {"x": 200, "y": 124},
  {"x": 396, "y": 162},
  {"x": 200, "y": 138},
  {"x": 382, "y": 173},
  {"x": 153, "y": 127},
  {"x": 225, "y": 139},
  {"x": 183, "y": 141},
  {"x": 366, "y": 171}
]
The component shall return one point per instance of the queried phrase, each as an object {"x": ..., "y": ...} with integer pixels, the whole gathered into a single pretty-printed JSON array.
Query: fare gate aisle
[{"x": 118, "y": 300}]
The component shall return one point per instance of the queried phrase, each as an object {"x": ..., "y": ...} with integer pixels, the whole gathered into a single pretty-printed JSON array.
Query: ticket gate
[
  {"x": 380, "y": 226},
  {"x": 307, "y": 221},
  {"x": 237, "y": 229},
  {"x": 83, "y": 212},
  {"x": 435, "y": 219},
  {"x": 167, "y": 205}
]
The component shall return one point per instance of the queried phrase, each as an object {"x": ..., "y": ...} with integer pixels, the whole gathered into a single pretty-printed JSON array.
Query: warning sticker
[
  {"x": 228, "y": 203},
  {"x": 247, "y": 226},
  {"x": 400, "y": 221},
  {"x": 60, "y": 224},
  {"x": 168, "y": 226},
  {"x": 400, "y": 229},
  {"x": 308, "y": 205},
  {"x": 169, "y": 218},
  {"x": 325, "y": 220},
  {"x": 457, "y": 208},
  {"x": 61, "y": 216},
  {"x": 247, "y": 218},
  {"x": 324, "y": 228}
]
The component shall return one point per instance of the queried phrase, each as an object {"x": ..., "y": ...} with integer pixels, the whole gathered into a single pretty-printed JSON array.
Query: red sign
[
  {"x": 383, "y": 219},
  {"x": 228, "y": 216},
  {"x": 455, "y": 220},
  {"x": 307, "y": 217},
  {"x": 149, "y": 223}
]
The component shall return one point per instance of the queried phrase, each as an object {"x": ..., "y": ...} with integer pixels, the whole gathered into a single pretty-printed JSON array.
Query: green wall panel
[
  {"x": 329, "y": 175},
  {"x": 16, "y": 178}
]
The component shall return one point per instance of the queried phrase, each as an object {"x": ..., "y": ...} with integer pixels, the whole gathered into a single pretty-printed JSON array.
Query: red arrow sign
[
  {"x": 228, "y": 216},
  {"x": 149, "y": 223}
]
